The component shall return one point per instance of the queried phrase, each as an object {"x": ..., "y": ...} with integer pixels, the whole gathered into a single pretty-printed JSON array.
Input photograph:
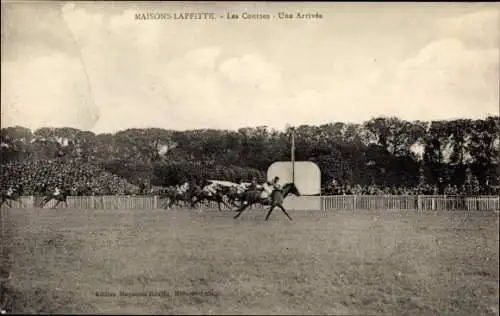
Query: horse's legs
[
  {"x": 284, "y": 211},
  {"x": 244, "y": 207},
  {"x": 270, "y": 211},
  {"x": 58, "y": 201},
  {"x": 220, "y": 200},
  {"x": 194, "y": 202},
  {"x": 65, "y": 202},
  {"x": 224, "y": 203}
]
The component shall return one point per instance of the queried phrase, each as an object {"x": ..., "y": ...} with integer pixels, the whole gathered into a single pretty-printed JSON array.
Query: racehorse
[
  {"x": 274, "y": 200},
  {"x": 175, "y": 196},
  {"x": 200, "y": 195},
  {"x": 14, "y": 196},
  {"x": 232, "y": 195},
  {"x": 163, "y": 193},
  {"x": 234, "y": 192},
  {"x": 169, "y": 193},
  {"x": 61, "y": 197}
]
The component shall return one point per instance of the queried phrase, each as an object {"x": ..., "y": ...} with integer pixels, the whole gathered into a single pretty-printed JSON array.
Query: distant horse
[
  {"x": 233, "y": 195},
  {"x": 14, "y": 196},
  {"x": 274, "y": 200},
  {"x": 200, "y": 195},
  {"x": 175, "y": 197},
  {"x": 164, "y": 194},
  {"x": 61, "y": 197},
  {"x": 169, "y": 195}
]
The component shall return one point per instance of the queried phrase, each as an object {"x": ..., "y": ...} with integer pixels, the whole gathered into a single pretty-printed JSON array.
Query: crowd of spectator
[
  {"x": 423, "y": 189},
  {"x": 75, "y": 175},
  {"x": 83, "y": 178}
]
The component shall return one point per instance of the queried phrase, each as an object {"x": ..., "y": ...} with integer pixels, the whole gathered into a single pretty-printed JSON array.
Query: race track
[{"x": 179, "y": 261}]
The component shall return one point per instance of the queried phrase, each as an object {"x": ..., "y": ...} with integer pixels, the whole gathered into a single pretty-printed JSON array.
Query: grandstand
[{"x": 80, "y": 177}]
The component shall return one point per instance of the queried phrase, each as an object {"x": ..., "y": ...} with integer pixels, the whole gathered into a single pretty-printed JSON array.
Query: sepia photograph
[{"x": 250, "y": 158}]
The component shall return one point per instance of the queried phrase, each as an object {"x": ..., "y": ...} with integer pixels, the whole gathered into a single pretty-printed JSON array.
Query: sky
[{"x": 93, "y": 66}]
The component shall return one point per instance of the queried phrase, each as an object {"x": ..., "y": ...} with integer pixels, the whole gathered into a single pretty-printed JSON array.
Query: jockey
[
  {"x": 10, "y": 191},
  {"x": 253, "y": 184},
  {"x": 184, "y": 187},
  {"x": 210, "y": 189},
  {"x": 275, "y": 183},
  {"x": 269, "y": 187},
  {"x": 57, "y": 191},
  {"x": 240, "y": 188},
  {"x": 43, "y": 188},
  {"x": 178, "y": 189}
]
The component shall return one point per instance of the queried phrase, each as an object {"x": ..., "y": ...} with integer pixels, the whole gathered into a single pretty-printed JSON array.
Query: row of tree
[{"x": 383, "y": 150}]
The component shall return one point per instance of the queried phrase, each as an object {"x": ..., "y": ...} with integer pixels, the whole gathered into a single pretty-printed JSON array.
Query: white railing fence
[
  {"x": 334, "y": 202},
  {"x": 410, "y": 202},
  {"x": 108, "y": 202}
]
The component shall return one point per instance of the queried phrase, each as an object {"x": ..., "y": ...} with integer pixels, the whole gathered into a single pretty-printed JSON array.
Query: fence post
[
  {"x": 419, "y": 203},
  {"x": 155, "y": 202}
]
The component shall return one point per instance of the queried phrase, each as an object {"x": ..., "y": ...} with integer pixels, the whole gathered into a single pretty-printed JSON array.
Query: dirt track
[{"x": 365, "y": 262}]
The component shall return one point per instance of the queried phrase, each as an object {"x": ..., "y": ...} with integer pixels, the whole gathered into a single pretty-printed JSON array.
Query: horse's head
[{"x": 290, "y": 188}]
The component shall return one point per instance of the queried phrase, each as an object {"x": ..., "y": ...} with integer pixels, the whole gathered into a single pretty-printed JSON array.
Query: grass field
[{"x": 366, "y": 262}]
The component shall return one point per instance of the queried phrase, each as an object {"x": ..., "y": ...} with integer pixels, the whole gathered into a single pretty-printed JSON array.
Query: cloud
[
  {"x": 79, "y": 21},
  {"x": 46, "y": 91},
  {"x": 446, "y": 79},
  {"x": 455, "y": 75},
  {"x": 252, "y": 70},
  {"x": 30, "y": 31},
  {"x": 191, "y": 88},
  {"x": 185, "y": 75},
  {"x": 479, "y": 29},
  {"x": 203, "y": 58}
]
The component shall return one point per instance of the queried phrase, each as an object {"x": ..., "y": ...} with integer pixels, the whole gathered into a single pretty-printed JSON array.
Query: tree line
[{"x": 383, "y": 151}]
